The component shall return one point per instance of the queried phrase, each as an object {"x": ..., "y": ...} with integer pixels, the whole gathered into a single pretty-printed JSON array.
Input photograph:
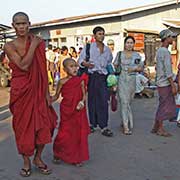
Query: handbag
[
  {"x": 82, "y": 70},
  {"x": 114, "y": 102},
  {"x": 118, "y": 68}
]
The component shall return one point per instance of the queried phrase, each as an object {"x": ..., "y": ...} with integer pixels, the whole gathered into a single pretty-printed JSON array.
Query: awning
[
  {"x": 175, "y": 23},
  {"x": 142, "y": 31}
]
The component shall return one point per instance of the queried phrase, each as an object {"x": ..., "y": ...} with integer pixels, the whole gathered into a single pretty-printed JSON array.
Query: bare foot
[
  {"x": 163, "y": 133},
  {"x": 155, "y": 128}
]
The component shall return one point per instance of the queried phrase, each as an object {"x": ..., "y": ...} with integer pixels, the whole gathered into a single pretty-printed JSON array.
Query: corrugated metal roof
[
  {"x": 142, "y": 31},
  {"x": 103, "y": 15},
  {"x": 4, "y": 27}
]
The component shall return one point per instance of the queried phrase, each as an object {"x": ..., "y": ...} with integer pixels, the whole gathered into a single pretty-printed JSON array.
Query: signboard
[{"x": 139, "y": 38}]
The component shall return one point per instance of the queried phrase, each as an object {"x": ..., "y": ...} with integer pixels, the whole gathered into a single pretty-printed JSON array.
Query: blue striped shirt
[{"x": 100, "y": 60}]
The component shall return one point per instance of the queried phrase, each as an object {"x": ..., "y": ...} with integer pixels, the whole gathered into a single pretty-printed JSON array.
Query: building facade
[{"x": 144, "y": 23}]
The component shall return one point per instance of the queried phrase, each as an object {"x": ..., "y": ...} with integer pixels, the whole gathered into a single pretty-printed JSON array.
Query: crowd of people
[
  {"x": 34, "y": 118},
  {"x": 55, "y": 57}
]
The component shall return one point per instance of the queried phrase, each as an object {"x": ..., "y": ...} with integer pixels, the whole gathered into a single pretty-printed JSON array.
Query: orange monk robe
[
  {"x": 33, "y": 120},
  {"x": 63, "y": 74},
  {"x": 71, "y": 142}
]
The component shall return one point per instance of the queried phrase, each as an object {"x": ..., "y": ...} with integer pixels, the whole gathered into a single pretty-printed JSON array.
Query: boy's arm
[
  {"x": 48, "y": 97},
  {"x": 81, "y": 103},
  {"x": 58, "y": 90}
]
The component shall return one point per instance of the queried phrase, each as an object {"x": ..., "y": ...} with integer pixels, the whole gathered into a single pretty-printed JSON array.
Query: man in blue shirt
[{"x": 100, "y": 57}]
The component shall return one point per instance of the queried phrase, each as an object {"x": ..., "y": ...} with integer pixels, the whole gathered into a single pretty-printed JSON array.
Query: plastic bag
[{"x": 111, "y": 80}]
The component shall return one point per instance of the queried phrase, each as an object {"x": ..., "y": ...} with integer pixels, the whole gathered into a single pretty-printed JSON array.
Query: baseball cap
[
  {"x": 110, "y": 41},
  {"x": 167, "y": 33}
]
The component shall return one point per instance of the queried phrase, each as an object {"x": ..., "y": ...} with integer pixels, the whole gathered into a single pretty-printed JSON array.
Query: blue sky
[{"x": 43, "y": 10}]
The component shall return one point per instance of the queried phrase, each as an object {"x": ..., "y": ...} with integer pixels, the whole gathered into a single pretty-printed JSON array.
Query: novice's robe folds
[{"x": 71, "y": 142}]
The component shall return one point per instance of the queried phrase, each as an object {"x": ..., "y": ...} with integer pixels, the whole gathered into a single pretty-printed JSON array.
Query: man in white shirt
[
  {"x": 165, "y": 83},
  {"x": 50, "y": 57}
]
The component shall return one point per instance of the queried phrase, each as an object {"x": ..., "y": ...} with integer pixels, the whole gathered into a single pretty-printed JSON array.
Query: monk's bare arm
[
  {"x": 25, "y": 62},
  {"x": 59, "y": 86}
]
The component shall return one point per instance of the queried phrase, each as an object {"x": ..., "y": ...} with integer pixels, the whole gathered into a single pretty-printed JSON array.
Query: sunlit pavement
[{"x": 142, "y": 156}]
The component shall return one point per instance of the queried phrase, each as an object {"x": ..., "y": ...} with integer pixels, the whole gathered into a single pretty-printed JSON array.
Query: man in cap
[{"x": 165, "y": 83}]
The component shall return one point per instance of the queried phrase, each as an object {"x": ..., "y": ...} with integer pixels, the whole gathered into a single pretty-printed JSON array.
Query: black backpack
[{"x": 85, "y": 69}]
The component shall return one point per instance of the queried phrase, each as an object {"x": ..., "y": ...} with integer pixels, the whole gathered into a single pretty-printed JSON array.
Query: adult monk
[{"x": 33, "y": 120}]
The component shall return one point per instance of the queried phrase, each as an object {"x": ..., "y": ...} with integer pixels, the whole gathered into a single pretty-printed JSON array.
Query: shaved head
[
  {"x": 20, "y": 14},
  {"x": 67, "y": 61}
]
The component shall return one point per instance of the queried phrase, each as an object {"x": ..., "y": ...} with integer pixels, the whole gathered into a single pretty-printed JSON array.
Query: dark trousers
[{"x": 98, "y": 100}]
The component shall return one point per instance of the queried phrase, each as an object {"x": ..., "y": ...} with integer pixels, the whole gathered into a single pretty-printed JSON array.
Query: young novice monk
[{"x": 71, "y": 142}]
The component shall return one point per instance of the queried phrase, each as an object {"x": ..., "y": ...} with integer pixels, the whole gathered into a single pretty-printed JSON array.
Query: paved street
[{"x": 142, "y": 156}]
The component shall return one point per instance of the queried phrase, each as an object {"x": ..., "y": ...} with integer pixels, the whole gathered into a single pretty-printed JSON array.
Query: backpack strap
[
  {"x": 88, "y": 45},
  {"x": 118, "y": 68},
  {"x": 119, "y": 58}
]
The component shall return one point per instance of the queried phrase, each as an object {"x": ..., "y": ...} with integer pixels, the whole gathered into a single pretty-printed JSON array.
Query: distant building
[
  {"x": 144, "y": 23},
  {"x": 3, "y": 29}
]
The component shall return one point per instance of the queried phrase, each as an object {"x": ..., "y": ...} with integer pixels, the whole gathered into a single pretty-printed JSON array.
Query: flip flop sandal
[
  {"x": 164, "y": 134},
  {"x": 78, "y": 164},
  {"x": 44, "y": 169},
  {"x": 153, "y": 131},
  {"x": 25, "y": 172},
  {"x": 92, "y": 129},
  {"x": 127, "y": 132},
  {"x": 178, "y": 124},
  {"x": 56, "y": 161},
  {"x": 107, "y": 132}
]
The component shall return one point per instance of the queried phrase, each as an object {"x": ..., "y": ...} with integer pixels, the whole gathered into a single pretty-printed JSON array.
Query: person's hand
[
  {"x": 130, "y": 70},
  {"x": 88, "y": 64},
  {"x": 80, "y": 105},
  {"x": 48, "y": 99},
  {"x": 178, "y": 90},
  {"x": 174, "y": 90},
  {"x": 54, "y": 98},
  {"x": 35, "y": 41}
]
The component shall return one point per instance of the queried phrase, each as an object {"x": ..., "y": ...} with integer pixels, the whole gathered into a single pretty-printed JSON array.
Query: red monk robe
[
  {"x": 71, "y": 142},
  {"x": 33, "y": 120}
]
